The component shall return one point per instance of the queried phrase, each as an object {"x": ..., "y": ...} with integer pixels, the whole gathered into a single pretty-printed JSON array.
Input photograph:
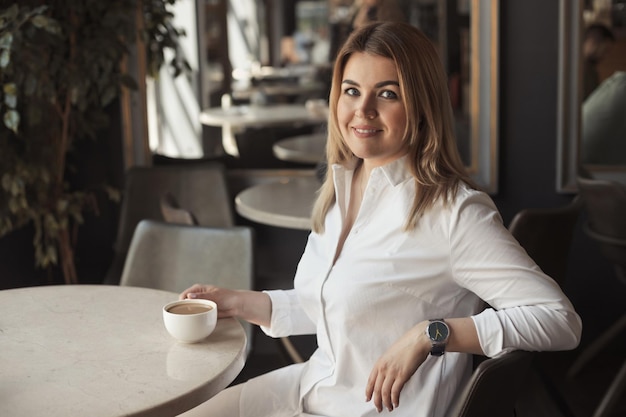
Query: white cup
[{"x": 190, "y": 321}]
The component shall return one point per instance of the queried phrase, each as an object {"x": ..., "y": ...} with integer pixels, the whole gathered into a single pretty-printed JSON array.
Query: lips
[{"x": 365, "y": 130}]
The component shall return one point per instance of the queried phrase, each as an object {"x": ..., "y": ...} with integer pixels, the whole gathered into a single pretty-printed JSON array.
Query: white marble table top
[
  {"x": 97, "y": 350},
  {"x": 260, "y": 116},
  {"x": 309, "y": 149},
  {"x": 286, "y": 203}
]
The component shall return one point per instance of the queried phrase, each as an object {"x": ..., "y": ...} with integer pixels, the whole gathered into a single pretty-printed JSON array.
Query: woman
[{"x": 400, "y": 238}]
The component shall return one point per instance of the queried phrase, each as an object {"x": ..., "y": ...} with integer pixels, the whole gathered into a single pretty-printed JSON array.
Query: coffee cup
[{"x": 190, "y": 321}]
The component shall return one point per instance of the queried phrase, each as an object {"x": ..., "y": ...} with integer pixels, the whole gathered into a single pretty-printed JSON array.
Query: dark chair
[
  {"x": 494, "y": 386},
  {"x": 605, "y": 204},
  {"x": 546, "y": 235},
  {"x": 199, "y": 188},
  {"x": 173, "y": 213}
]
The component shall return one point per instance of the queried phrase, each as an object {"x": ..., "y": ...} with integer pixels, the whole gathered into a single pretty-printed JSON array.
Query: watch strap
[{"x": 438, "y": 348}]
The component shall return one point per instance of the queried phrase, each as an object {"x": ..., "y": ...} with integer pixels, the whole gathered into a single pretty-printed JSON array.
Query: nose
[
  {"x": 366, "y": 110},
  {"x": 369, "y": 114}
]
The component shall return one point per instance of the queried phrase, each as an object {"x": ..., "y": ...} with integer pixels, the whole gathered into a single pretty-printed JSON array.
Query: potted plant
[{"x": 60, "y": 67}]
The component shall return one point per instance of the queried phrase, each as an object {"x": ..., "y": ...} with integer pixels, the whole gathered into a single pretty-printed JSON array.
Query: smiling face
[{"x": 370, "y": 111}]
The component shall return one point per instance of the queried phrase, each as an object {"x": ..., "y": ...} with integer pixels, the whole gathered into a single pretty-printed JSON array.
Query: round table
[
  {"x": 235, "y": 119},
  {"x": 97, "y": 350},
  {"x": 309, "y": 149},
  {"x": 260, "y": 116},
  {"x": 285, "y": 203}
]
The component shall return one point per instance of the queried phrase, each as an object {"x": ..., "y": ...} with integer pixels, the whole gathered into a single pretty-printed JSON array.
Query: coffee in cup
[
  {"x": 189, "y": 308},
  {"x": 190, "y": 321}
]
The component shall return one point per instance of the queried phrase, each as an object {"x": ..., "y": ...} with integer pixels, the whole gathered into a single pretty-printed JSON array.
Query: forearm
[
  {"x": 463, "y": 336},
  {"x": 255, "y": 307}
]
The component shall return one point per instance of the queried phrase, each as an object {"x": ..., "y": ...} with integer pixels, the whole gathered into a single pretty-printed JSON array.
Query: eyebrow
[{"x": 377, "y": 85}]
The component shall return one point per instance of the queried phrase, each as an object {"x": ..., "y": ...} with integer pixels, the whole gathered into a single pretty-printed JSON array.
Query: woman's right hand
[
  {"x": 252, "y": 306},
  {"x": 228, "y": 302}
]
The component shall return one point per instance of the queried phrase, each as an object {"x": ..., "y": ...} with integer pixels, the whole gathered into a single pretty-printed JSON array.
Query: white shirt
[{"x": 385, "y": 281}]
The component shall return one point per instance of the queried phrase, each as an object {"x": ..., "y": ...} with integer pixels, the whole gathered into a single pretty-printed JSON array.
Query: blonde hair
[{"x": 433, "y": 157}]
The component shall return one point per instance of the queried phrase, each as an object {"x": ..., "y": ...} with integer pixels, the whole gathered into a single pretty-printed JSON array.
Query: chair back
[
  {"x": 200, "y": 188},
  {"x": 546, "y": 235},
  {"x": 173, "y": 213},
  {"x": 494, "y": 386},
  {"x": 605, "y": 204},
  {"x": 173, "y": 257}
]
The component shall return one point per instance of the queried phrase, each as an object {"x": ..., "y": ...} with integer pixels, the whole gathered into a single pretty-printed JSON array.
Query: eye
[
  {"x": 388, "y": 94},
  {"x": 351, "y": 91}
]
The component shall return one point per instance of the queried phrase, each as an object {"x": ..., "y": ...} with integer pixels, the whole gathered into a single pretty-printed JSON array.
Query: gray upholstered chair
[
  {"x": 173, "y": 257},
  {"x": 199, "y": 188}
]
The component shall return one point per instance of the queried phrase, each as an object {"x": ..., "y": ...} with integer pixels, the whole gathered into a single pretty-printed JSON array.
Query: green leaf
[
  {"x": 9, "y": 15},
  {"x": 47, "y": 24},
  {"x": 109, "y": 94},
  {"x": 10, "y": 98},
  {"x": 14, "y": 205},
  {"x": 12, "y": 120},
  {"x": 62, "y": 205},
  {"x": 5, "y": 58},
  {"x": 6, "y": 182},
  {"x": 6, "y": 40},
  {"x": 17, "y": 187}
]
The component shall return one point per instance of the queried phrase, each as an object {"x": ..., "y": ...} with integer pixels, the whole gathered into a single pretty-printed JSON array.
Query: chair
[
  {"x": 605, "y": 204},
  {"x": 546, "y": 235},
  {"x": 494, "y": 385},
  {"x": 200, "y": 188},
  {"x": 173, "y": 257},
  {"x": 173, "y": 213}
]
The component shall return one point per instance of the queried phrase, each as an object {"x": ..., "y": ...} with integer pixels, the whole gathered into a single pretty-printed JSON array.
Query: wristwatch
[{"x": 438, "y": 333}]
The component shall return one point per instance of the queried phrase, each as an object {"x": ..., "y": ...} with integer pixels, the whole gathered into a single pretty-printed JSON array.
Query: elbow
[{"x": 572, "y": 331}]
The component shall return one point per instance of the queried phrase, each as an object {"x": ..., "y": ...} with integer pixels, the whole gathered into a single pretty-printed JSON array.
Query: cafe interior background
[{"x": 514, "y": 69}]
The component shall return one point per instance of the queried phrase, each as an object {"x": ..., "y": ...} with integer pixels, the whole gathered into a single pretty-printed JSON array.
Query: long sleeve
[
  {"x": 528, "y": 309},
  {"x": 288, "y": 318}
]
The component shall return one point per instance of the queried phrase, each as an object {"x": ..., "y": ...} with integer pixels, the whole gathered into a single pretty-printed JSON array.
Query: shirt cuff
[
  {"x": 490, "y": 332},
  {"x": 280, "y": 320}
]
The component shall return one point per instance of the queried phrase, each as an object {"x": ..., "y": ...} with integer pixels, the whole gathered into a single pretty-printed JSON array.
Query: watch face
[{"x": 438, "y": 331}]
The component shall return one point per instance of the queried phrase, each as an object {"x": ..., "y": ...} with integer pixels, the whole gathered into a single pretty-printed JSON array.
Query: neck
[{"x": 362, "y": 175}]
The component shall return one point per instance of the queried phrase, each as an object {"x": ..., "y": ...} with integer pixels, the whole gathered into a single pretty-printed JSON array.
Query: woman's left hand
[{"x": 396, "y": 366}]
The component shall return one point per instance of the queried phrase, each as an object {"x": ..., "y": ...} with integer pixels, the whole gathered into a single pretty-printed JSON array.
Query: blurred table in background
[
  {"x": 286, "y": 203},
  {"x": 308, "y": 149},
  {"x": 234, "y": 119}
]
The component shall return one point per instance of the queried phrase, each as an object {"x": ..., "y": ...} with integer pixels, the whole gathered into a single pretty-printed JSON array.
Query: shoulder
[{"x": 467, "y": 206}]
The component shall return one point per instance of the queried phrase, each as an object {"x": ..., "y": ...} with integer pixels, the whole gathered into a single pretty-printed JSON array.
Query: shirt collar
[{"x": 395, "y": 172}]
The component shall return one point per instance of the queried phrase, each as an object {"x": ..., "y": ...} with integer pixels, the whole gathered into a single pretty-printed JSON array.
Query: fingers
[
  {"x": 193, "y": 291},
  {"x": 384, "y": 387}
]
